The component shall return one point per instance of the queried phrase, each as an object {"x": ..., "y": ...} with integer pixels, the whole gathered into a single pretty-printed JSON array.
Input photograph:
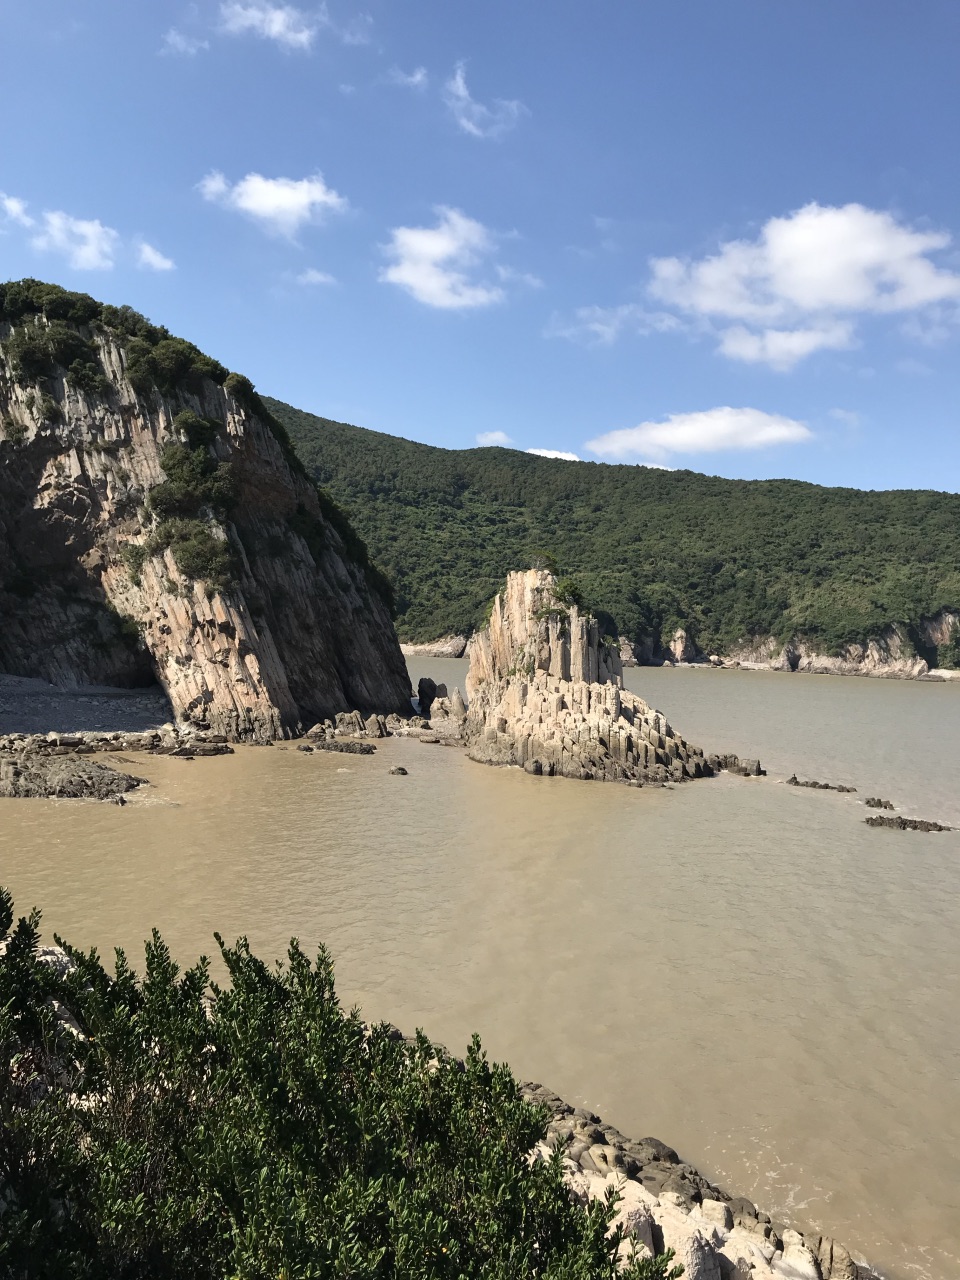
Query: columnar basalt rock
[
  {"x": 546, "y": 692},
  {"x": 88, "y": 597}
]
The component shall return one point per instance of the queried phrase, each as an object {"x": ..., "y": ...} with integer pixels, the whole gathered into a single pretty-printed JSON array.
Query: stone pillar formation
[{"x": 546, "y": 692}]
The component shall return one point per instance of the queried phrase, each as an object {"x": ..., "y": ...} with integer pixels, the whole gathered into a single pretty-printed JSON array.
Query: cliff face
[
  {"x": 173, "y": 537},
  {"x": 546, "y": 692}
]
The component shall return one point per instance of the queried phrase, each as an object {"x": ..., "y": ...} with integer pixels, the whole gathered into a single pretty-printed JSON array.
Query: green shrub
[
  {"x": 194, "y": 480},
  {"x": 15, "y": 432},
  {"x": 170, "y": 365},
  {"x": 256, "y": 1130},
  {"x": 37, "y": 350},
  {"x": 200, "y": 432},
  {"x": 199, "y": 553},
  {"x": 134, "y": 557}
]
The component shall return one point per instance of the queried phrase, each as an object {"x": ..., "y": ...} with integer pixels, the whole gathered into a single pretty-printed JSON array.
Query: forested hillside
[{"x": 727, "y": 559}]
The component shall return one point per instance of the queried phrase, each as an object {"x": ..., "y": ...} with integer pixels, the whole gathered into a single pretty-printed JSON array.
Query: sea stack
[{"x": 546, "y": 692}]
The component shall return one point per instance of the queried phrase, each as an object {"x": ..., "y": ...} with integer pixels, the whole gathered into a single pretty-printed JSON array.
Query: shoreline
[{"x": 457, "y": 648}]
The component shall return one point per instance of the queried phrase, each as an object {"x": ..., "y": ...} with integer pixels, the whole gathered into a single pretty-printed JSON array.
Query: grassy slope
[{"x": 727, "y": 558}]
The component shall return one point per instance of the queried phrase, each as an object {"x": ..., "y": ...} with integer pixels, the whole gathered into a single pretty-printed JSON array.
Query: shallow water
[{"x": 742, "y": 969}]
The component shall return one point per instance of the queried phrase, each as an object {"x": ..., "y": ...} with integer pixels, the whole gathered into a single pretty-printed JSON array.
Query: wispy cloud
[
  {"x": 280, "y": 205},
  {"x": 289, "y": 27},
  {"x": 475, "y": 118},
  {"x": 15, "y": 210},
  {"x": 416, "y": 79},
  {"x": 313, "y": 277},
  {"x": 178, "y": 43},
  {"x": 555, "y": 453},
  {"x": 283, "y": 24},
  {"x": 602, "y": 326},
  {"x": 800, "y": 286},
  {"x": 489, "y": 438},
  {"x": 152, "y": 259},
  {"x": 437, "y": 265},
  {"x": 708, "y": 431},
  {"x": 85, "y": 243}
]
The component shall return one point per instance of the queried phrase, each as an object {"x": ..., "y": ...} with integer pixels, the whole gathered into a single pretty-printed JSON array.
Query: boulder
[{"x": 426, "y": 693}]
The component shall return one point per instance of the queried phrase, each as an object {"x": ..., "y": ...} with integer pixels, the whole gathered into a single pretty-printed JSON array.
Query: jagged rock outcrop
[
  {"x": 35, "y": 776},
  {"x": 252, "y": 604},
  {"x": 546, "y": 692}
]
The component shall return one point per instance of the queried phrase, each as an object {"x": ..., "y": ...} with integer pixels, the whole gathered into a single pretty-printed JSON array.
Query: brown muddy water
[{"x": 742, "y": 969}]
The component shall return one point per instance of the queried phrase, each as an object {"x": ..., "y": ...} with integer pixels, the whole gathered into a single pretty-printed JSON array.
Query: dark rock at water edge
[
  {"x": 904, "y": 824},
  {"x": 63, "y": 777},
  {"x": 822, "y": 786}
]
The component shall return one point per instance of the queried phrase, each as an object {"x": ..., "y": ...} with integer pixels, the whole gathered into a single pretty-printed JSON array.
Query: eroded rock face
[
  {"x": 302, "y": 632},
  {"x": 546, "y": 692}
]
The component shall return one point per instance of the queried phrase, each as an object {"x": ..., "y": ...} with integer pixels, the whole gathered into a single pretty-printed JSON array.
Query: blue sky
[{"x": 720, "y": 234}]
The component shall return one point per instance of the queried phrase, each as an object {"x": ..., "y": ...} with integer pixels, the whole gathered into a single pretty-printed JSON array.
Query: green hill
[{"x": 727, "y": 559}]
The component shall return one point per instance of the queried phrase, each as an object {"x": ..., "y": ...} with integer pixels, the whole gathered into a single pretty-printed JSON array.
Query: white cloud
[
  {"x": 433, "y": 264},
  {"x": 86, "y": 244},
  {"x": 16, "y": 210},
  {"x": 152, "y": 259},
  {"x": 313, "y": 276},
  {"x": 289, "y": 27},
  {"x": 280, "y": 205},
  {"x": 708, "y": 431},
  {"x": 473, "y": 117},
  {"x": 781, "y": 349},
  {"x": 554, "y": 453},
  {"x": 417, "y": 79},
  {"x": 176, "y": 42},
  {"x": 601, "y": 326},
  {"x": 799, "y": 285},
  {"x": 487, "y": 438}
]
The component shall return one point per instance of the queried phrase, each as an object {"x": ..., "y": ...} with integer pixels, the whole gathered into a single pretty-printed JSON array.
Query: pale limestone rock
[
  {"x": 693, "y": 1247},
  {"x": 546, "y": 692}
]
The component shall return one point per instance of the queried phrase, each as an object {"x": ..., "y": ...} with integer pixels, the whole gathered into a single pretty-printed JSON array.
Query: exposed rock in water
[
  {"x": 904, "y": 824},
  {"x": 793, "y": 781},
  {"x": 65, "y": 777},
  {"x": 175, "y": 537},
  {"x": 346, "y": 748},
  {"x": 426, "y": 694},
  {"x": 874, "y": 802},
  {"x": 546, "y": 692}
]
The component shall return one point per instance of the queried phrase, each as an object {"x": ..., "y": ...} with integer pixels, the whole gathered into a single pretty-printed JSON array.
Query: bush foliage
[
  {"x": 727, "y": 559},
  {"x": 170, "y": 1127},
  {"x": 199, "y": 553}
]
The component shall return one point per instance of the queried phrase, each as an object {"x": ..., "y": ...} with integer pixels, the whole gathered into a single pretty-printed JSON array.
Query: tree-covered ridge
[
  {"x": 166, "y": 1127},
  {"x": 726, "y": 559}
]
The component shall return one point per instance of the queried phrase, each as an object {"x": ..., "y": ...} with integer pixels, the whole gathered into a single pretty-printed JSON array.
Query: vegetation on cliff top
[
  {"x": 51, "y": 330},
  {"x": 167, "y": 1127},
  {"x": 726, "y": 559}
]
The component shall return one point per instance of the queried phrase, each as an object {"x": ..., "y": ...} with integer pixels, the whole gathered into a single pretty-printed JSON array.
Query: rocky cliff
[
  {"x": 546, "y": 692},
  {"x": 155, "y": 525},
  {"x": 897, "y": 652}
]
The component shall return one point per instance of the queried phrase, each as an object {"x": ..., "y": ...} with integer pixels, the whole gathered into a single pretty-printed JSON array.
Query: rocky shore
[{"x": 666, "y": 1204}]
